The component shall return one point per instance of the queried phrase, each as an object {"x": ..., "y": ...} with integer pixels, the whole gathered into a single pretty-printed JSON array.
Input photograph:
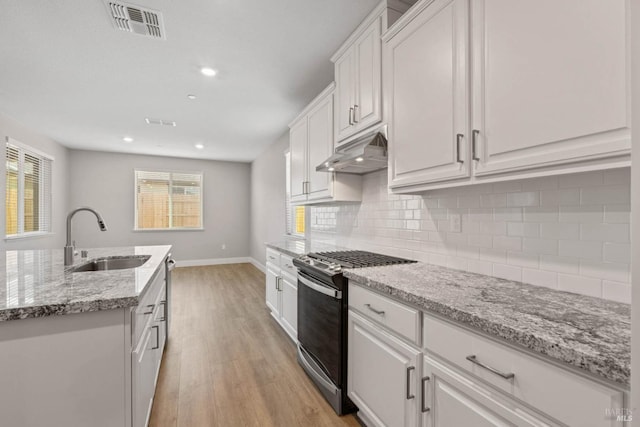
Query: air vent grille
[
  {"x": 160, "y": 122},
  {"x": 135, "y": 19}
]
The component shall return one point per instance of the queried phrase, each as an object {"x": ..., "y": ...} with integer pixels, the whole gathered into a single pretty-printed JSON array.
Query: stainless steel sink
[{"x": 112, "y": 263}]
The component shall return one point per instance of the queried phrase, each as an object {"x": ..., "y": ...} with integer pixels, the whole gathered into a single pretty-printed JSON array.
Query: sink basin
[{"x": 112, "y": 263}]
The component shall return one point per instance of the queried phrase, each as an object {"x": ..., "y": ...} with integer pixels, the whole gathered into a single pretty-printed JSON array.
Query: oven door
[{"x": 320, "y": 328}]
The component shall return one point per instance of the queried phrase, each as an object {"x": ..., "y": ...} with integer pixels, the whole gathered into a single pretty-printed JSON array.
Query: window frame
[
  {"x": 170, "y": 172},
  {"x": 291, "y": 214},
  {"x": 24, "y": 149}
]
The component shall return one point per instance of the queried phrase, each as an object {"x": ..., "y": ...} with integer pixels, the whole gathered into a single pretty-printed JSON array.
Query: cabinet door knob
[
  {"x": 458, "y": 142},
  {"x": 474, "y": 144},
  {"x": 424, "y": 407},
  {"x": 409, "y": 395}
]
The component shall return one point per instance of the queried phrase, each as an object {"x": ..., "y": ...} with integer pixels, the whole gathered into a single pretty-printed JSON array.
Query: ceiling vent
[
  {"x": 160, "y": 122},
  {"x": 135, "y": 19}
]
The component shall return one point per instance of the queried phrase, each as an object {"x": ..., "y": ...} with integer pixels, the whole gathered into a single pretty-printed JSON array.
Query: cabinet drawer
[
  {"x": 286, "y": 265},
  {"x": 273, "y": 256},
  {"x": 568, "y": 397},
  {"x": 146, "y": 309},
  {"x": 401, "y": 319}
]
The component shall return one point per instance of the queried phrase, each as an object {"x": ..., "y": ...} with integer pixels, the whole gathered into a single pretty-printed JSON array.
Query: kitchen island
[{"x": 81, "y": 348}]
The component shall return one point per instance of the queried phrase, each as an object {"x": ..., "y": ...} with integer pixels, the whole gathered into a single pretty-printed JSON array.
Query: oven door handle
[{"x": 333, "y": 293}]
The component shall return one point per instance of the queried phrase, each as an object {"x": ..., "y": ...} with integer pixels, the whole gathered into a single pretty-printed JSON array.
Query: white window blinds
[
  {"x": 168, "y": 200},
  {"x": 28, "y": 190}
]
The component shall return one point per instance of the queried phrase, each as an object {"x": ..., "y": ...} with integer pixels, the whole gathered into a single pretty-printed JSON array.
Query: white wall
[
  {"x": 568, "y": 232},
  {"x": 105, "y": 182},
  {"x": 268, "y": 197},
  {"x": 59, "y": 176}
]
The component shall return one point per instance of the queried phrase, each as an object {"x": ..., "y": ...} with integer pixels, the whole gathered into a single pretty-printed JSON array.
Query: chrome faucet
[{"x": 69, "y": 248}]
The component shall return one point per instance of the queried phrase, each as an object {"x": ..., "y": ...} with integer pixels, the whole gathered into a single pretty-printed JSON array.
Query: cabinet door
[
  {"x": 383, "y": 373},
  {"x": 320, "y": 123},
  {"x": 452, "y": 399},
  {"x": 298, "y": 149},
  {"x": 427, "y": 94},
  {"x": 345, "y": 94},
  {"x": 144, "y": 360},
  {"x": 272, "y": 290},
  {"x": 367, "y": 108},
  {"x": 551, "y": 82},
  {"x": 290, "y": 306}
]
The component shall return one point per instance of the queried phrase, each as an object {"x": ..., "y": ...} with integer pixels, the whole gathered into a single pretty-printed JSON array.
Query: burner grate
[{"x": 359, "y": 259}]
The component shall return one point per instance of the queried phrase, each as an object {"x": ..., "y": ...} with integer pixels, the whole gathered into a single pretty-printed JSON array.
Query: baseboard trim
[
  {"x": 212, "y": 261},
  {"x": 258, "y": 265}
]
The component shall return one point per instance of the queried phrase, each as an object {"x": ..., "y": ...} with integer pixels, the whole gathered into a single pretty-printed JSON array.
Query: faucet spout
[{"x": 68, "y": 248}]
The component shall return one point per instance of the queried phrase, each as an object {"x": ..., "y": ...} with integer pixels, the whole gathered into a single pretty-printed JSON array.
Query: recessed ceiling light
[
  {"x": 209, "y": 72},
  {"x": 190, "y": 96},
  {"x": 127, "y": 139},
  {"x": 199, "y": 146}
]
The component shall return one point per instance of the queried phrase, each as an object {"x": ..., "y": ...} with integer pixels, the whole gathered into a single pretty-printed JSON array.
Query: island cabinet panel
[{"x": 66, "y": 370}]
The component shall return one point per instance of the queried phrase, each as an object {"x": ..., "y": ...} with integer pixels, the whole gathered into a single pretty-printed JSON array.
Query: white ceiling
[{"x": 67, "y": 73}]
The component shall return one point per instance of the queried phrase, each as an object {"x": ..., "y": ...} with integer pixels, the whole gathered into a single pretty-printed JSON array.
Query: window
[
  {"x": 295, "y": 215},
  {"x": 28, "y": 191},
  {"x": 168, "y": 200}
]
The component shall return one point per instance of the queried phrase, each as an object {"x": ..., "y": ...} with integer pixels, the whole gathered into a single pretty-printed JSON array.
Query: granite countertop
[
  {"x": 589, "y": 333},
  {"x": 296, "y": 248},
  {"x": 35, "y": 283}
]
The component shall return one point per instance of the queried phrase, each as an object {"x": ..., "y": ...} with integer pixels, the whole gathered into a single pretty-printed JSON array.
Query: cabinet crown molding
[{"x": 321, "y": 96}]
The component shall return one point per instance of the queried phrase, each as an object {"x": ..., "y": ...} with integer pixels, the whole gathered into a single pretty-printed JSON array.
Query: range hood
[{"x": 365, "y": 154}]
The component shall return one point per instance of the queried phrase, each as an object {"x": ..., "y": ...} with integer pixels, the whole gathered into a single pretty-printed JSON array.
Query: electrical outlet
[{"x": 455, "y": 223}]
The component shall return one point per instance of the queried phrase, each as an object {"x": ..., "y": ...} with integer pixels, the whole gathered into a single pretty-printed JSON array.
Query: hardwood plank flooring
[{"x": 227, "y": 362}]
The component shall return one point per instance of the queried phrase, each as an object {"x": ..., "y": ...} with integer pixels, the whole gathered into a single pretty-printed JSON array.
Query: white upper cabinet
[
  {"x": 551, "y": 82},
  {"x": 310, "y": 143},
  {"x": 358, "y": 66},
  {"x": 503, "y": 89},
  {"x": 426, "y": 106}
]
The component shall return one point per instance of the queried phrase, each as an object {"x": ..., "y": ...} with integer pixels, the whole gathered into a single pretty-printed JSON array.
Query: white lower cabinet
[
  {"x": 383, "y": 374},
  {"x": 458, "y": 378},
  {"x": 281, "y": 291},
  {"x": 451, "y": 399}
]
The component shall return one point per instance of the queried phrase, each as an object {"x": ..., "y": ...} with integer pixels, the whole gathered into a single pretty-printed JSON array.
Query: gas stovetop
[{"x": 332, "y": 263}]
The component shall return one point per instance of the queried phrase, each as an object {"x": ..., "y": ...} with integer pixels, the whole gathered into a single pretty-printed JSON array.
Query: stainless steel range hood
[{"x": 365, "y": 154}]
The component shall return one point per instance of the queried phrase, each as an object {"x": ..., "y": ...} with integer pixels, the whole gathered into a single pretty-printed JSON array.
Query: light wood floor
[{"x": 227, "y": 362}]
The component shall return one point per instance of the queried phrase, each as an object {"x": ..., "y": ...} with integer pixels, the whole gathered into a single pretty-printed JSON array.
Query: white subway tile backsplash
[
  {"x": 605, "y": 270},
  {"x": 606, "y": 232},
  {"x": 617, "y": 252},
  {"x": 616, "y": 291},
  {"x": 532, "y": 245},
  {"x": 508, "y": 272},
  {"x": 567, "y": 231},
  {"x": 541, "y": 214},
  {"x": 548, "y": 279},
  {"x": 558, "y": 230},
  {"x": 580, "y": 285},
  {"x": 560, "y": 264},
  {"x": 508, "y": 243},
  {"x": 581, "y": 249},
  {"x": 523, "y": 229},
  {"x": 605, "y": 195},
  {"x": 617, "y": 214},
  {"x": 529, "y": 198}
]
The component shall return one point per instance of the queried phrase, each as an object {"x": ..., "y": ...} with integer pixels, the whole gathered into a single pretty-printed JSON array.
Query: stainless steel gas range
[{"x": 322, "y": 318}]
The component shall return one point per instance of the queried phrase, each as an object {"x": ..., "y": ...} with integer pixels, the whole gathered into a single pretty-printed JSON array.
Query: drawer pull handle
[
  {"x": 409, "y": 395},
  {"x": 474, "y": 144},
  {"x": 380, "y": 312},
  {"x": 424, "y": 408},
  {"x": 152, "y": 307},
  {"x": 458, "y": 142},
  {"x": 157, "y": 346},
  {"x": 473, "y": 360}
]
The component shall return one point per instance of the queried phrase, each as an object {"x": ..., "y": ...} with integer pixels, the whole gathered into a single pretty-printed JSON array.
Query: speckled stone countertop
[
  {"x": 296, "y": 248},
  {"x": 35, "y": 283},
  {"x": 592, "y": 334}
]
